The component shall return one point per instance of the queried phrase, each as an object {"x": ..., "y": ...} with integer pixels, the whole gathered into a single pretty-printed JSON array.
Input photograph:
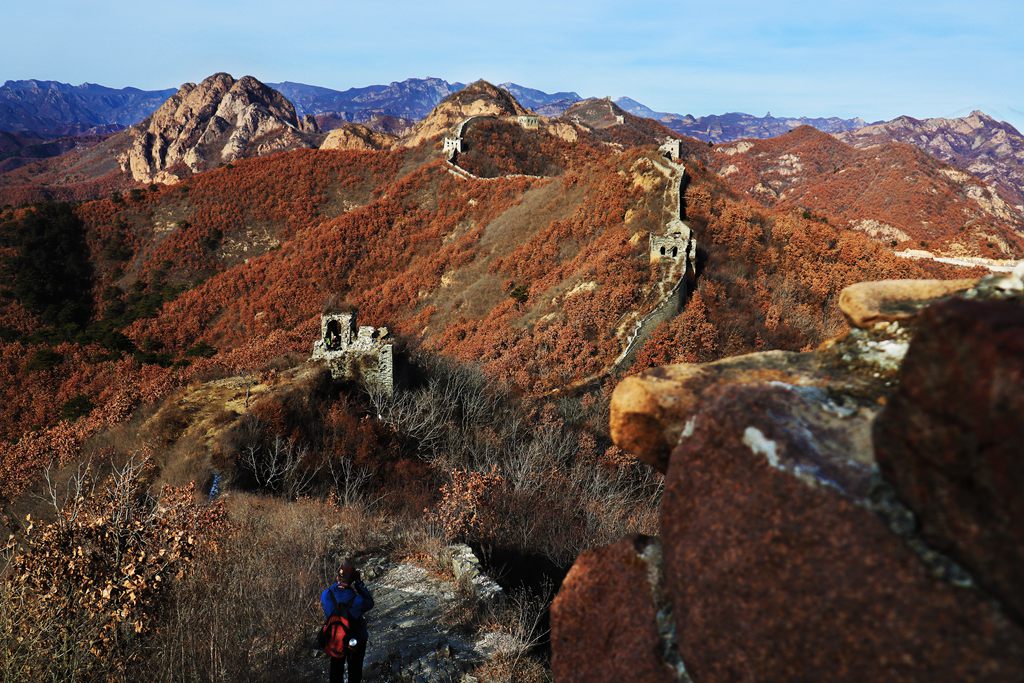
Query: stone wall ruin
[
  {"x": 528, "y": 121},
  {"x": 352, "y": 353}
]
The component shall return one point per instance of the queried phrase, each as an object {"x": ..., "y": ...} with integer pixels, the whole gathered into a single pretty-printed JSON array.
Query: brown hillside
[
  {"x": 530, "y": 278},
  {"x": 896, "y": 193}
]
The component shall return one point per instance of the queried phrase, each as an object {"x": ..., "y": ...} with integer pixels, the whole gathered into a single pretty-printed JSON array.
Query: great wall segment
[
  {"x": 455, "y": 144},
  {"x": 674, "y": 254},
  {"x": 356, "y": 353}
]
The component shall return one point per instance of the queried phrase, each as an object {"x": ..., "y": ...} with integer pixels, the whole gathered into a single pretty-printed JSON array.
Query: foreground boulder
[
  {"x": 604, "y": 620},
  {"x": 951, "y": 439},
  {"x": 785, "y": 554}
]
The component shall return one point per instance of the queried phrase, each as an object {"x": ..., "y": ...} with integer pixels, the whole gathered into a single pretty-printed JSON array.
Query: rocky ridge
[
  {"x": 842, "y": 514},
  {"x": 895, "y": 193},
  {"x": 477, "y": 99},
  {"x": 356, "y": 136},
  {"x": 215, "y": 122},
  {"x": 989, "y": 149}
]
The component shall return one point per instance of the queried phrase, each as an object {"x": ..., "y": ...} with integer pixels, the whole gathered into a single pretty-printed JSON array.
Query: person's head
[{"x": 347, "y": 574}]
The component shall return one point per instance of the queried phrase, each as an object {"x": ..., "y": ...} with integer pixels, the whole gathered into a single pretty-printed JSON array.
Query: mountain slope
[
  {"x": 51, "y": 108},
  {"x": 894, "y": 192},
  {"x": 536, "y": 280},
  {"x": 991, "y": 150}
]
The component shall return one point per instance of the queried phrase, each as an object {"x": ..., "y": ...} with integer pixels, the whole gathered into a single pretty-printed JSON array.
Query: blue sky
[{"x": 869, "y": 58}]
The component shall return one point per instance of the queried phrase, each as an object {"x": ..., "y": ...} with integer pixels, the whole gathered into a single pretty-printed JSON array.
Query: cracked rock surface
[{"x": 786, "y": 552}]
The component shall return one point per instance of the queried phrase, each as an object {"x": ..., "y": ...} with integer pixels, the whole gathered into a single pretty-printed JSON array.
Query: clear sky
[{"x": 875, "y": 59}]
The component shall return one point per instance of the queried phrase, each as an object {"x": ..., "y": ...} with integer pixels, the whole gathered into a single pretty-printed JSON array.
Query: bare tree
[
  {"x": 281, "y": 466},
  {"x": 349, "y": 479}
]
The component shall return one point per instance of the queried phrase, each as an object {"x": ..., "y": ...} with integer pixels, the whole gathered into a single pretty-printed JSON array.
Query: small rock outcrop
[
  {"x": 217, "y": 121},
  {"x": 358, "y": 137},
  {"x": 835, "y": 515}
]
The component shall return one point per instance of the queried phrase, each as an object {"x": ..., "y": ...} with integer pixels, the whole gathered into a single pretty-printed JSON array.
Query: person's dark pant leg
[
  {"x": 338, "y": 670},
  {"x": 355, "y": 656}
]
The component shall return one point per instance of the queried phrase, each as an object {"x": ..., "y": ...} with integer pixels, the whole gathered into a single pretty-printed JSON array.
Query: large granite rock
[
  {"x": 951, "y": 439},
  {"x": 604, "y": 620},
  {"x": 779, "y": 567},
  {"x": 786, "y": 555},
  {"x": 867, "y": 303},
  {"x": 215, "y": 122}
]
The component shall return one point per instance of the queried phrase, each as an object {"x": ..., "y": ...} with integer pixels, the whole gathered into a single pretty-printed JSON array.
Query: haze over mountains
[{"x": 51, "y": 108}]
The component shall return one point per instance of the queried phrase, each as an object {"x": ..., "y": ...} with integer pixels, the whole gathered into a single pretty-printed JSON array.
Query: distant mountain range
[
  {"x": 991, "y": 150},
  {"x": 40, "y": 119},
  {"x": 53, "y": 109},
  {"x": 49, "y": 108},
  {"x": 736, "y": 125}
]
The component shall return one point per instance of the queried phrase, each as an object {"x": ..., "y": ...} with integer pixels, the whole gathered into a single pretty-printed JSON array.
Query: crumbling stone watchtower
[
  {"x": 672, "y": 149},
  {"x": 362, "y": 354},
  {"x": 452, "y": 146},
  {"x": 675, "y": 245},
  {"x": 528, "y": 121}
]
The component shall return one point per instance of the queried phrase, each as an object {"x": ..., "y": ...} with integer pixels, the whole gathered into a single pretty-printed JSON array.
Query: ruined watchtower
[
  {"x": 356, "y": 353},
  {"x": 452, "y": 146},
  {"x": 672, "y": 149},
  {"x": 528, "y": 121},
  {"x": 675, "y": 245}
]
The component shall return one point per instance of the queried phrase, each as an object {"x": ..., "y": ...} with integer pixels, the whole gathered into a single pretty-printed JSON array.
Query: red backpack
[{"x": 333, "y": 637}]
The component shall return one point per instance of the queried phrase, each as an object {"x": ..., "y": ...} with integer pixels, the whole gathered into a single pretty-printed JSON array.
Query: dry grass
[{"x": 248, "y": 609}]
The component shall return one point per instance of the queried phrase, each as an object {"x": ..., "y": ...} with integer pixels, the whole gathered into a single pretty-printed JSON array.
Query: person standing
[{"x": 351, "y": 593}]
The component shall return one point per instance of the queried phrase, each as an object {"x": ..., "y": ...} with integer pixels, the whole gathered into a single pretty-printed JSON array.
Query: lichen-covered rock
[
  {"x": 604, "y": 623},
  {"x": 779, "y": 567},
  {"x": 786, "y": 555},
  {"x": 951, "y": 439},
  {"x": 867, "y": 303}
]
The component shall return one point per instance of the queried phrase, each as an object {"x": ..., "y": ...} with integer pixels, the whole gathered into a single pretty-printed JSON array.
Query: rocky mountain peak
[
  {"x": 991, "y": 150},
  {"x": 476, "y": 99},
  {"x": 217, "y": 121}
]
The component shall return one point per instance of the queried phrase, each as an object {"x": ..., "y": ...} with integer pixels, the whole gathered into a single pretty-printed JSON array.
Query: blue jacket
[{"x": 357, "y": 599}]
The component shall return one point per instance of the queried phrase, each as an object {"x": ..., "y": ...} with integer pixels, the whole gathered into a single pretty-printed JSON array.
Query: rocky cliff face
[
  {"x": 991, "y": 150},
  {"x": 217, "y": 121},
  {"x": 835, "y": 515}
]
